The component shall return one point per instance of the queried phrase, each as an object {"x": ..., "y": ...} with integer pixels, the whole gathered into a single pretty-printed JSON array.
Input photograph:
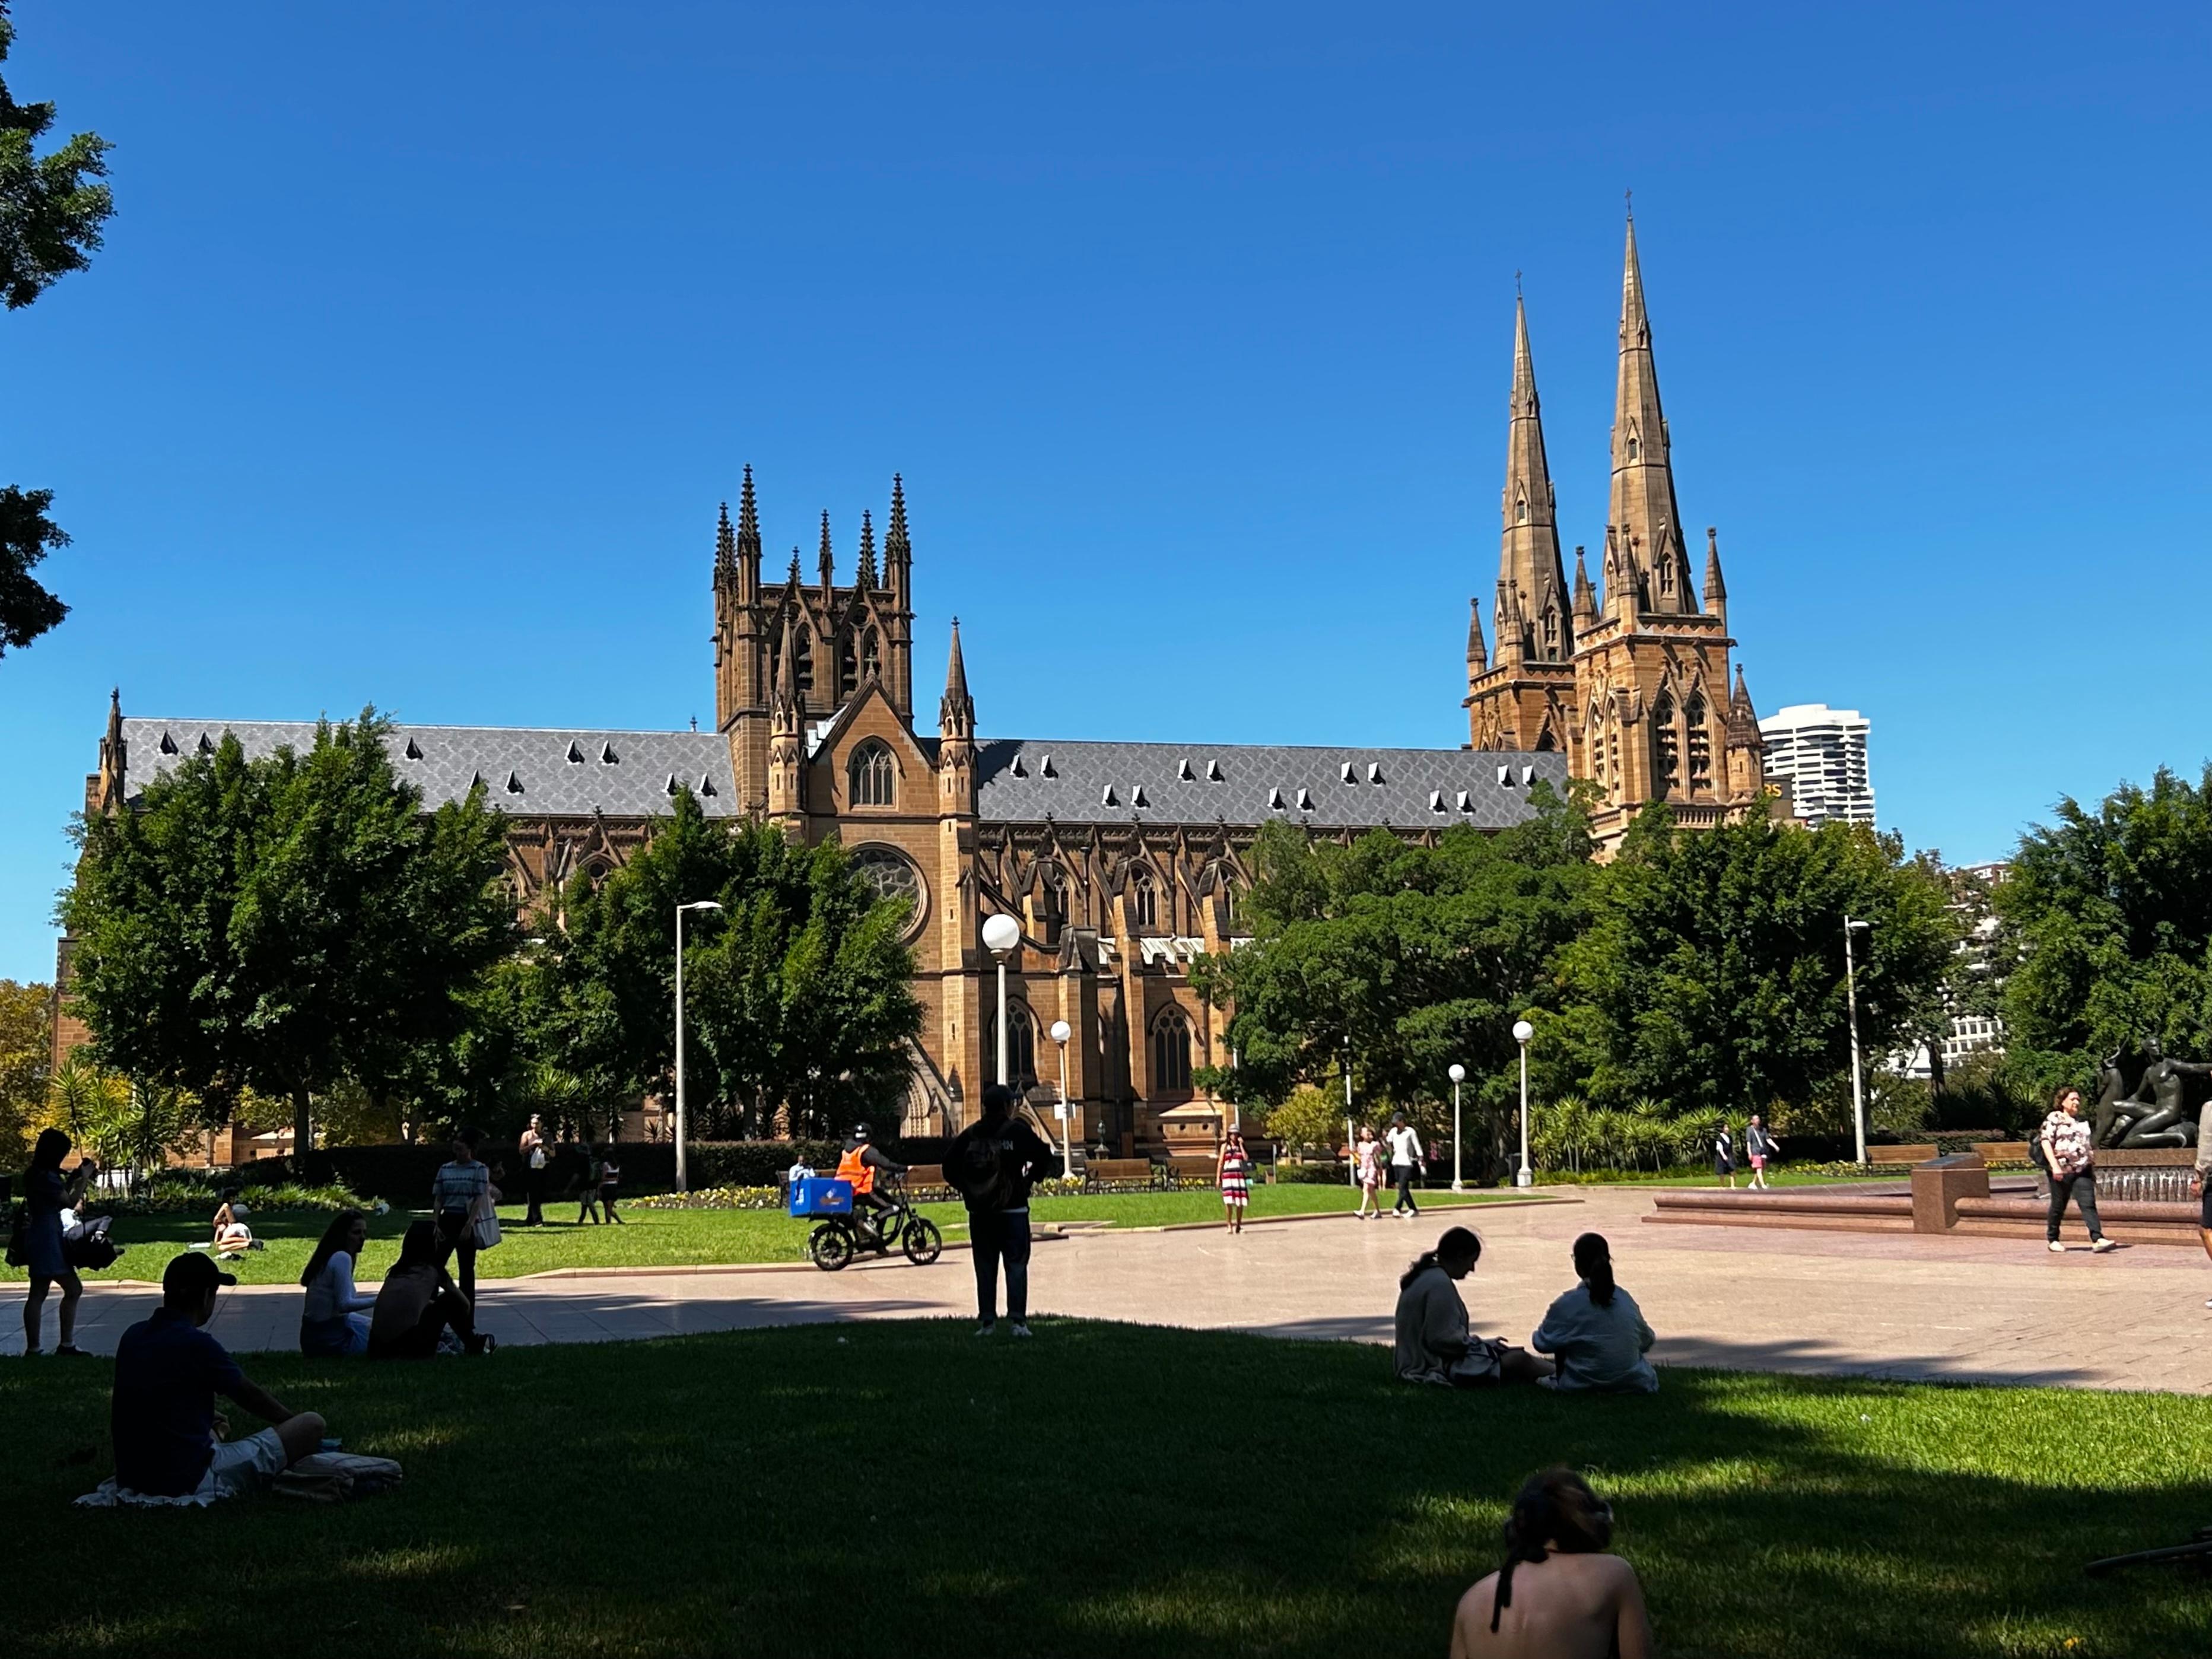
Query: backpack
[{"x": 978, "y": 1170}]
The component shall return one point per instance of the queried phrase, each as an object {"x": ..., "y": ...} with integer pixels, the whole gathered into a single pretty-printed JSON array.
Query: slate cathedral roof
[{"x": 576, "y": 773}]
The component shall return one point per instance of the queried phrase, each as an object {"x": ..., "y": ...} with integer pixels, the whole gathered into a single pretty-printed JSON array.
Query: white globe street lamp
[
  {"x": 1002, "y": 933},
  {"x": 1522, "y": 1030},
  {"x": 683, "y": 1174},
  {"x": 1851, "y": 1001},
  {"x": 1458, "y": 1075},
  {"x": 1060, "y": 1033}
]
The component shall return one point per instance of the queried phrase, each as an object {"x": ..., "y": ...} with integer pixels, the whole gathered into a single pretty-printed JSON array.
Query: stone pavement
[{"x": 1866, "y": 1304}]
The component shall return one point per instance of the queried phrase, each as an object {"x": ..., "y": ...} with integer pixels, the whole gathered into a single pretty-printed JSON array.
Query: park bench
[
  {"x": 1121, "y": 1175},
  {"x": 925, "y": 1182},
  {"x": 1188, "y": 1169},
  {"x": 1993, "y": 1152},
  {"x": 1913, "y": 1154}
]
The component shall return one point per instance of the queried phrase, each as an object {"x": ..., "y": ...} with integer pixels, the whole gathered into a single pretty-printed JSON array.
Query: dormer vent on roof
[
  {"x": 1528, "y": 776},
  {"x": 413, "y": 751},
  {"x": 513, "y": 784},
  {"x": 1274, "y": 800},
  {"x": 671, "y": 785},
  {"x": 1466, "y": 801},
  {"x": 1305, "y": 801},
  {"x": 1183, "y": 771},
  {"x": 575, "y": 755},
  {"x": 706, "y": 783},
  {"x": 168, "y": 745},
  {"x": 1018, "y": 769},
  {"x": 476, "y": 781},
  {"x": 1436, "y": 801},
  {"x": 1345, "y": 772},
  {"x": 1045, "y": 767},
  {"x": 206, "y": 744},
  {"x": 607, "y": 756},
  {"x": 1213, "y": 771},
  {"x": 1137, "y": 797},
  {"x": 1375, "y": 771},
  {"x": 1107, "y": 798},
  {"x": 1505, "y": 776}
]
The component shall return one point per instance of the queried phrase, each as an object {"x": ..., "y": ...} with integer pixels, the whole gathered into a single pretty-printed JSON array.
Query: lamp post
[
  {"x": 1002, "y": 933},
  {"x": 1522, "y": 1030},
  {"x": 1851, "y": 1003},
  {"x": 1351, "y": 1142},
  {"x": 1458, "y": 1075},
  {"x": 1060, "y": 1033},
  {"x": 683, "y": 1174}
]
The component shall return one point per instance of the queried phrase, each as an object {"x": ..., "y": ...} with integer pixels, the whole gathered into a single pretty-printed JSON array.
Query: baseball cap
[{"x": 192, "y": 1274}]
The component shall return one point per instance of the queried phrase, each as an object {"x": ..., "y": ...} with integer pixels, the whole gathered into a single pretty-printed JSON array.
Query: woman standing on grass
[
  {"x": 334, "y": 1320},
  {"x": 1234, "y": 1172},
  {"x": 1367, "y": 1162},
  {"x": 46, "y": 1194}
]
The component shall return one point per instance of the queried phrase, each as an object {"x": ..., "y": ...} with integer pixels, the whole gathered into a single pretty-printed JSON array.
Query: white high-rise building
[{"x": 1821, "y": 753}]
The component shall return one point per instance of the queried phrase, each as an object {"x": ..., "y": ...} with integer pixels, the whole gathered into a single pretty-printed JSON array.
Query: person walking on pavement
[
  {"x": 992, "y": 1164},
  {"x": 1758, "y": 1146},
  {"x": 1724, "y": 1154},
  {"x": 2069, "y": 1153},
  {"x": 1233, "y": 1171},
  {"x": 535, "y": 1157},
  {"x": 1367, "y": 1156},
  {"x": 1405, "y": 1159}
]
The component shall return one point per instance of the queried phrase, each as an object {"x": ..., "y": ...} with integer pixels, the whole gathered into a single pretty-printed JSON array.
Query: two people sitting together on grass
[
  {"x": 166, "y": 1430},
  {"x": 1594, "y": 1335},
  {"x": 232, "y": 1238},
  {"x": 1560, "y": 1595}
]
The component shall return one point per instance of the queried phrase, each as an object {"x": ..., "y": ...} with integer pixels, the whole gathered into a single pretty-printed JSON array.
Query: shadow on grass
[{"x": 1102, "y": 1490}]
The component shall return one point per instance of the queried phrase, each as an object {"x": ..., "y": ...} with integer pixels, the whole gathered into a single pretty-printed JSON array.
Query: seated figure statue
[{"x": 2157, "y": 1114}]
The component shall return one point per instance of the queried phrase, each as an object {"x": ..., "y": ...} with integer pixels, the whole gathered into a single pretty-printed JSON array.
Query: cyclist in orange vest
[{"x": 859, "y": 1165}]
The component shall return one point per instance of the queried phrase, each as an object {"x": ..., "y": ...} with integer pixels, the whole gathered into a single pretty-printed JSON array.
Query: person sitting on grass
[
  {"x": 168, "y": 1373},
  {"x": 1432, "y": 1341},
  {"x": 232, "y": 1238},
  {"x": 1558, "y": 1596},
  {"x": 1595, "y": 1332},
  {"x": 420, "y": 1305},
  {"x": 334, "y": 1322}
]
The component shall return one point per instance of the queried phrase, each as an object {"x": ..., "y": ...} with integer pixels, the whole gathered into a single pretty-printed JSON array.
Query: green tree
[
  {"x": 284, "y": 923},
  {"x": 1712, "y": 978},
  {"x": 1416, "y": 957},
  {"x": 52, "y": 210},
  {"x": 2104, "y": 931},
  {"x": 26, "y": 1039},
  {"x": 798, "y": 994}
]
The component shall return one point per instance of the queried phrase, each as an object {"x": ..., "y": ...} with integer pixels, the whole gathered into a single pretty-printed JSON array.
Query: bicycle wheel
[
  {"x": 923, "y": 1244},
  {"x": 831, "y": 1246}
]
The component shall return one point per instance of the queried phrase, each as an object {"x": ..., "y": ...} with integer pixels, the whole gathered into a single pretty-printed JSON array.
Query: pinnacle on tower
[
  {"x": 828, "y": 560},
  {"x": 726, "y": 547},
  {"x": 956, "y": 714},
  {"x": 867, "y": 578},
  {"x": 1585, "y": 593},
  {"x": 788, "y": 704},
  {"x": 748, "y": 541},
  {"x": 898, "y": 550},
  {"x": 1478, "y": 659},
  {"x": 1715, "y": 595}
]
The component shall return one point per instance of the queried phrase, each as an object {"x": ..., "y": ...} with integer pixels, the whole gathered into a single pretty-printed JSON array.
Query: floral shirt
[{"x": 2072, "y": 1150}]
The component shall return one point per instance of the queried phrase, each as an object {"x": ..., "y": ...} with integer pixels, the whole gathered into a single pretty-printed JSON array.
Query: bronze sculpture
[{"x": 2156, "y": 1112}]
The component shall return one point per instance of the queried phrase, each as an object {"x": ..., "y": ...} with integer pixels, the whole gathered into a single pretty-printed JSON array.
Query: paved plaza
[{"x": 1848, "y": 1303}]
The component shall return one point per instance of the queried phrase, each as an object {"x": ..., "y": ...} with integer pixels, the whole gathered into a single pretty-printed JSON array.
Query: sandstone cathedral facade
[{"x": 1120, "y": 861}]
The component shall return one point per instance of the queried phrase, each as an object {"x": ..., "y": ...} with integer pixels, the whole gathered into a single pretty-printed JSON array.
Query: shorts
[
  {"x": 2204, "y": 1220},
  {"x": 239, "y": 1467}
]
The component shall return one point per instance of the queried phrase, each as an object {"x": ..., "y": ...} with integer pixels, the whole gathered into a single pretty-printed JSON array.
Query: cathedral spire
[
  {"x": 1642, "y": 505},
  {"x": 1585, "y": 595},
  {"x": 1715, "y": 589},
  {"x": 725, "y": 549},
  {"x": 1528, "y": 550},
  {"x": 748, "y": 540},
  {"x": 867, "y": 577},
  {"x": 828, "y": 560},
  {"x": 1478, "y": 659},
  {"x": 956, "y": 714}
]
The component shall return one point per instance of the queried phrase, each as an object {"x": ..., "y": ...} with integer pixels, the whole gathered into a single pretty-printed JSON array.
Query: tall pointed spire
[
  {"x": 726, "y": 548},
  {"x": 867, "y": 578},
  {"x": 1528, "y": 552},
  {"x": 1642, "y": 503},
  {"x": 1585, "y": 595},
  {"x": 956, "y": 714},
  {"x": 787, "y": 703},
  {"x": 748, "y": 540},
  {"x": 1478, "y": 659},
  {"x": 828, "y": 560},
  {"x": 1716, "y": 594}
]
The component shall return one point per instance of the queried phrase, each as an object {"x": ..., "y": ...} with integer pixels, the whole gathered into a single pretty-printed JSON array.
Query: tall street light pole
[
  {"x": 1002, "y": 933},
  {"x": 1350, "y": 1143},
  {"x": 1060, "y": 1033},
  {"x": 1458, "y": 1075},
  {"x": 1851, "y": 1002},
  {"x": 683, "y": 1174},
  {"x": 1522, "y": 1030}
]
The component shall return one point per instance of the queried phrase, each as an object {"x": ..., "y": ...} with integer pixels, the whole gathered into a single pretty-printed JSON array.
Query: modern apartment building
[{"x": 1821, "y": 753}]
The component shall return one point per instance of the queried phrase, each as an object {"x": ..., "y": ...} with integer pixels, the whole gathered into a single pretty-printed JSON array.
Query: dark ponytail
[
  {"x": 1457, "y": 1243},
  {"x": 1554, "y": 1509},
  {"x": 1594, "y": 1263}
]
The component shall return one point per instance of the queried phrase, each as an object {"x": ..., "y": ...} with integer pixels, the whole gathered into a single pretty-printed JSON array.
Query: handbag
[
  {"x": 483, "y": 1221},
  {"x": 19, "y": 1237}
]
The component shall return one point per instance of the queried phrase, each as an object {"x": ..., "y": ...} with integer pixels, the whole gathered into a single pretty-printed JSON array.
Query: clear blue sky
[{"x": 427, "y": 337}]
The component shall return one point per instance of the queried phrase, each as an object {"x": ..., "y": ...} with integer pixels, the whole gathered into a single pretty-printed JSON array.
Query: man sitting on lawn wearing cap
[{"x": 168, "y": 1373}]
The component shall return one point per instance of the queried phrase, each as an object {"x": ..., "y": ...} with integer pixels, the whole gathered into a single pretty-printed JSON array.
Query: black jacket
[{"x": 1023, "y": 1159}]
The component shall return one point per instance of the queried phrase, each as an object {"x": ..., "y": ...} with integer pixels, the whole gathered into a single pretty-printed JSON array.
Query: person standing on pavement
[
  {"x": 2200, "y": 1183},
  {"x": 1405, "y": 1159},
  {"x": 2069, "y": 1153},
  {"x": 455, "y": 1192},
  {"x": 1234, "y": 1172},
  {"x": 1758, "y": 1146},
  {"x": 1724, "y": 1154},
  {"x": 992, "y": 1163},
  {"x": 535, "y": 1157}
]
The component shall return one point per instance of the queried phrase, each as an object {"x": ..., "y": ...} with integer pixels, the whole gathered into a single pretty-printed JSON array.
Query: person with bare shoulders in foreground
[{"x": 1558, "y": 1596}]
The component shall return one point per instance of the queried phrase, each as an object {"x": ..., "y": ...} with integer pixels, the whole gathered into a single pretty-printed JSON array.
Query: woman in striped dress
[{"x": 1236, "y": 1177}]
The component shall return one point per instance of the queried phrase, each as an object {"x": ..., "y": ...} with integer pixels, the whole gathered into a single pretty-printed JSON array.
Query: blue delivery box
[{"x": 821, "y": 1195}]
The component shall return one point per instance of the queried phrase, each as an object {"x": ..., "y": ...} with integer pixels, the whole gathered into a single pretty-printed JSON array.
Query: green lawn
[
  {"x": 1103, "y": 1490},
  {"x": 658, "y": 1238}
]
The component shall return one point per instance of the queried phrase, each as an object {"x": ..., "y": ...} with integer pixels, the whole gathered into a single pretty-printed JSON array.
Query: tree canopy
[
  {"x": 52, "y": 210},
  {"x": 283, "y": 923},
  {"x": 24, "y": 1040}
]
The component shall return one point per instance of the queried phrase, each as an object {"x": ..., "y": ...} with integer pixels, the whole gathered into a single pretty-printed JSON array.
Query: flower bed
[
  {"x": 161, "y": 1196},
  {"x": 711, "y": 1198}
]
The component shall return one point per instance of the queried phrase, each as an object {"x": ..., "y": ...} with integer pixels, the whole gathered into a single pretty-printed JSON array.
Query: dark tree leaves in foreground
[
  {"x": 2106, "y": 931},
  {"x": 51, "y": 209},
  {"x": 799, "y": 991},
  {"x": 284, "y": 923},
  {"x": 1713, "y": 978}
]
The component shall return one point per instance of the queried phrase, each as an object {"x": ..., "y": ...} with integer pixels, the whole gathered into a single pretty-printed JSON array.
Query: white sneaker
[
  {"x": 984, "y": 1330},
  {"x": 1021, "y": 1330},
  {"x": 2056, "y": 1248},
  {"x": 2103, "y": 1245}
]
